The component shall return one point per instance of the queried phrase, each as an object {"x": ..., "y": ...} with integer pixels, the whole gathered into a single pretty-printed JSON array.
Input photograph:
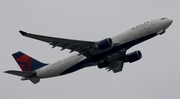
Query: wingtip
[{"x": 22, "y": 32}]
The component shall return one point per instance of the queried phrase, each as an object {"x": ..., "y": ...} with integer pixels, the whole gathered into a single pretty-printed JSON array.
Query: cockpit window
[{"x": 163, "y": 18}]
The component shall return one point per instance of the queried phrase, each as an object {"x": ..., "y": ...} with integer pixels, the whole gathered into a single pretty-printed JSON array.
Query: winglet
[{"x": 23, "y": 33}]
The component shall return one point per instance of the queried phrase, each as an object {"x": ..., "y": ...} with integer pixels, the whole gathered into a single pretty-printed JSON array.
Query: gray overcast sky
[{"x": 155, "y": 76}]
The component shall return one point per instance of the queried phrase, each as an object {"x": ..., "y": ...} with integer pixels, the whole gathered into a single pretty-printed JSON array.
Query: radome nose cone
[{"x": 170, "y": 21}]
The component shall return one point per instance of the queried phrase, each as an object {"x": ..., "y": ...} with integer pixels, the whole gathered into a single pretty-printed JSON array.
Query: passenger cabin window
[{"x": 163, "y": 18}]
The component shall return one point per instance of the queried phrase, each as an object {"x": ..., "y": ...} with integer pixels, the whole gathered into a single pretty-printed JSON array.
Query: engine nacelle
[
  {"x": 104, "y": 44},
  {"x": 134, "y": 56}
]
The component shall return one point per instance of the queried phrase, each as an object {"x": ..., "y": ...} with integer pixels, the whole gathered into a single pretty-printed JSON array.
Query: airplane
[{"x": 109, "y": 53}]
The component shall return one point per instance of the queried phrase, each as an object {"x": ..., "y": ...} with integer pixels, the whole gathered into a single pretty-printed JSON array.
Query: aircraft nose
[{"x": 168, "y": 22}]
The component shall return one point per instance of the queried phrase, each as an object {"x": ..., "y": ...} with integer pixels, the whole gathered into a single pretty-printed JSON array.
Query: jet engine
[
  {"x": 104, "y": 44},
  {"x": 133, "y": 56}
]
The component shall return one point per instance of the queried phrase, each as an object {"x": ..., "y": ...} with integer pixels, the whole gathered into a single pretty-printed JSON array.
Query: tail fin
[{"x": 27, "y": 63}]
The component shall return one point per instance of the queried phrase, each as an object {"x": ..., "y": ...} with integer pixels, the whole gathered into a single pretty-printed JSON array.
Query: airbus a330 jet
[{"x": 109, "y": 53}]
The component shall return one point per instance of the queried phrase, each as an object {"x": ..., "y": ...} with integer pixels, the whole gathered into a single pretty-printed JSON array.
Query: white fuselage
[
  {"x": 58, "y": 67},
  {"x": 156, "y": 26}
]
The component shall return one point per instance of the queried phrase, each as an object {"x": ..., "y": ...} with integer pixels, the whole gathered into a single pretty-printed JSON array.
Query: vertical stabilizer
[{"x": 27, "y": 63}]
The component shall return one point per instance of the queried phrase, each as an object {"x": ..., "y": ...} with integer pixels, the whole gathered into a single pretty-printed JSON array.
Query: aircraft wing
[
  {"x": 83, "y": 47},
  {"x": 115, "y": 66},
  {"x": 116, "y": 63}
]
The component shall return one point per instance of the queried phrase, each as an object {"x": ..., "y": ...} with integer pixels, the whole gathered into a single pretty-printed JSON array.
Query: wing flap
[{"x": 116, "y": 66}]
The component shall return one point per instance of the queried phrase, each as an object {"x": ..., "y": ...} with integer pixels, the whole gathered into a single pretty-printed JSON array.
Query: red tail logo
[{"x": 27, "y": 63}]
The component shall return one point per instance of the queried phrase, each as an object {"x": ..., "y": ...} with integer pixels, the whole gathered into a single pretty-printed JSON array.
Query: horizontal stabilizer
[
  {"x": 27, "y": 75},
  {"x": 21, "y": 73},
  {"x": 34, "y": 80},
  {"x": 23, "y": 33}
]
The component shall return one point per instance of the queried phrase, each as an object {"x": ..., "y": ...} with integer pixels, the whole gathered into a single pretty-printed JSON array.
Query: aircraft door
[
  {"x": 48, "y": 69},
  {"x": 149, "y": 30}
]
